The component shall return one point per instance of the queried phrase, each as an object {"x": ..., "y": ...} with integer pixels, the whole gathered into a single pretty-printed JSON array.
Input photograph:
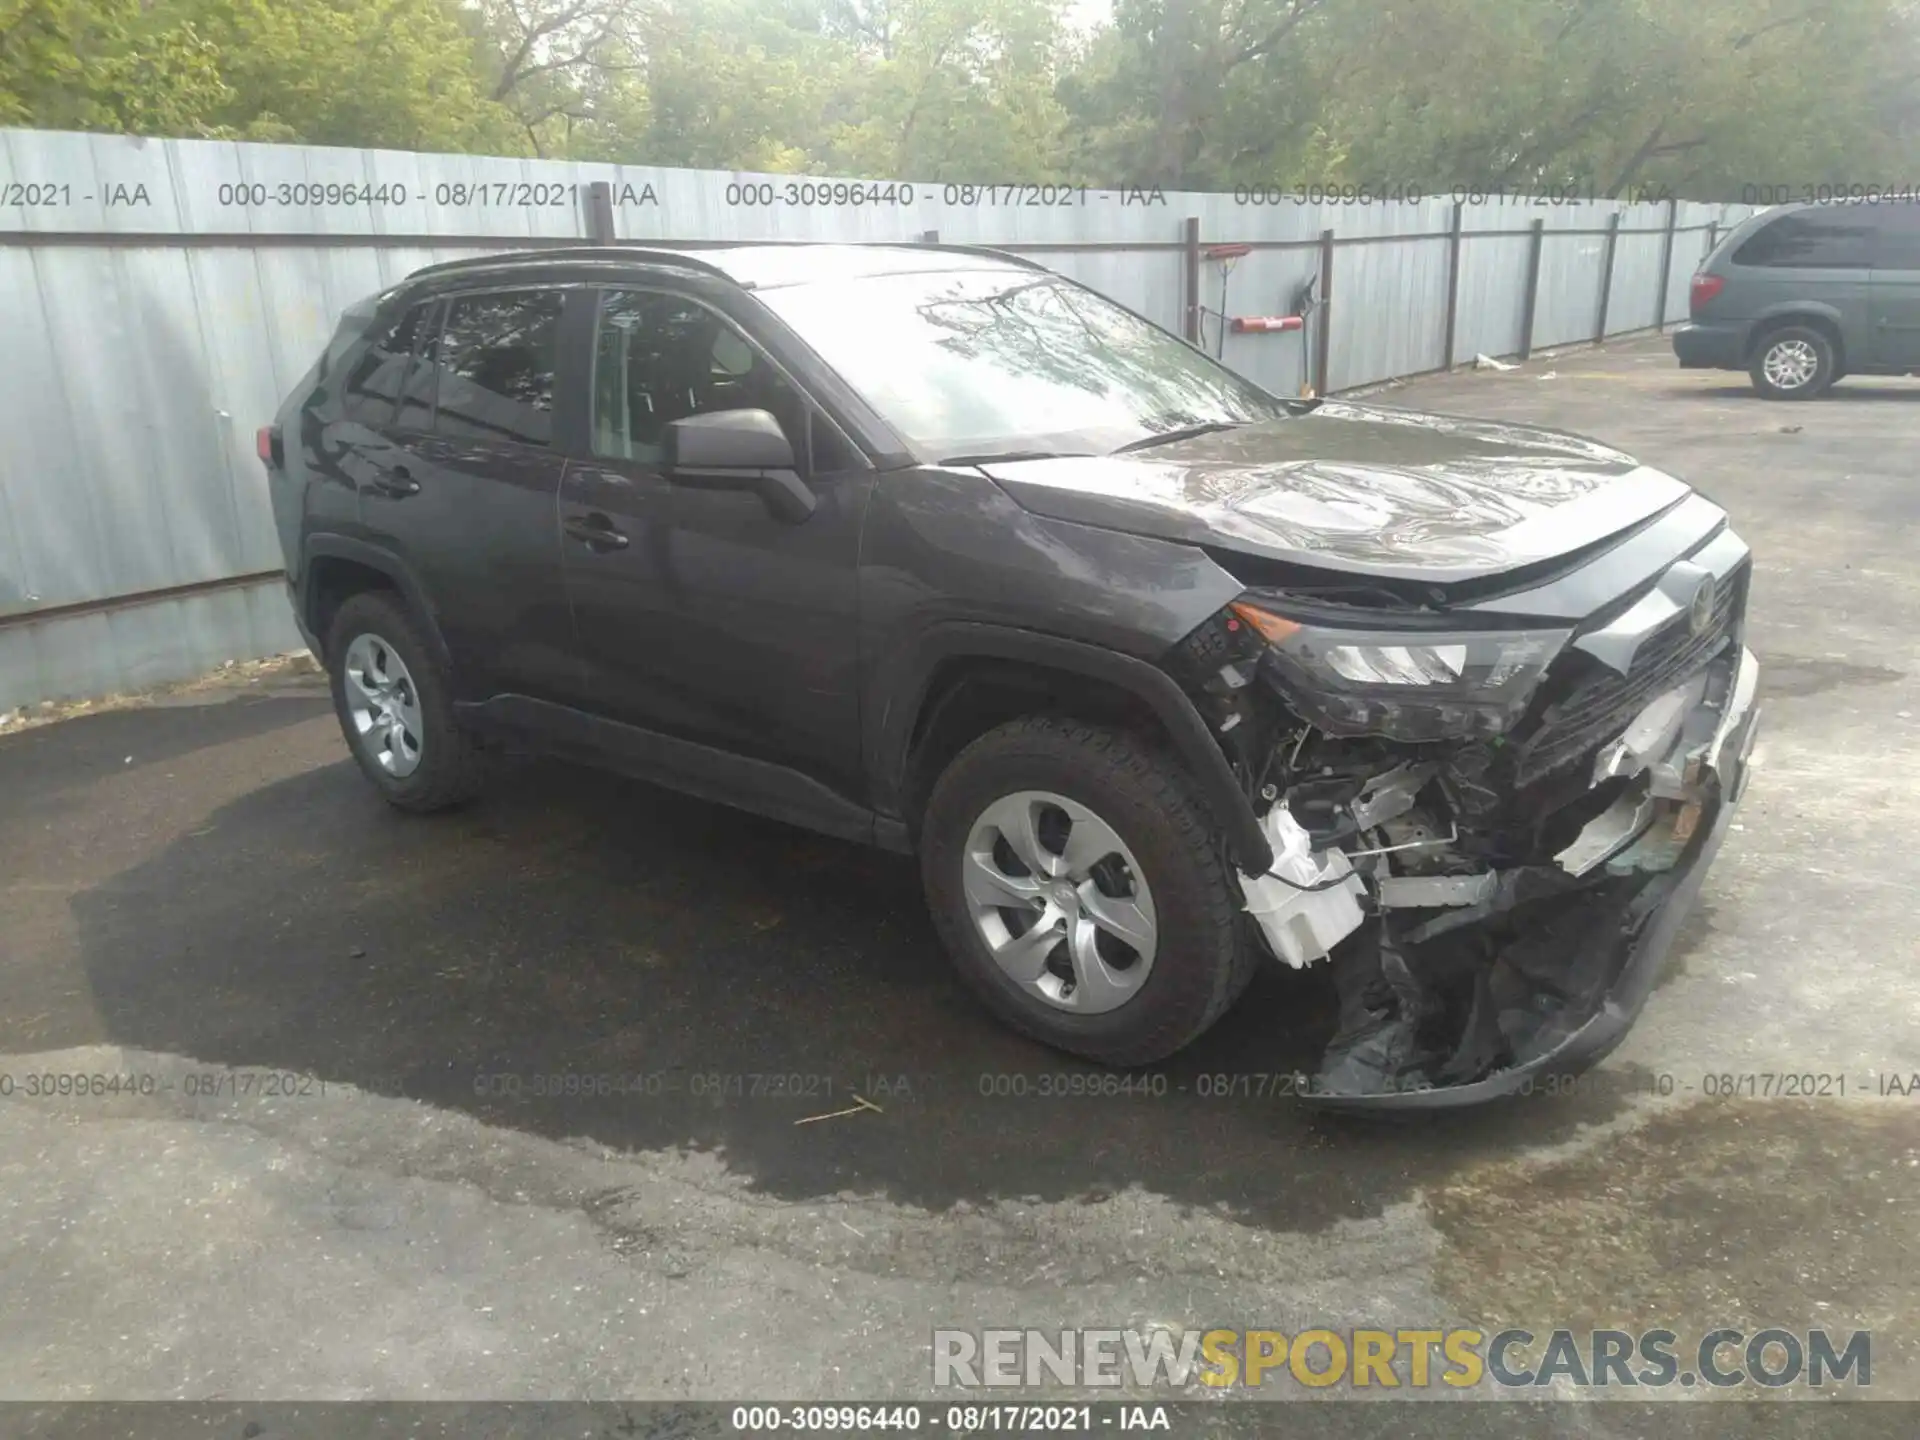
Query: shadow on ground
[{"x": 733, "y": 974}]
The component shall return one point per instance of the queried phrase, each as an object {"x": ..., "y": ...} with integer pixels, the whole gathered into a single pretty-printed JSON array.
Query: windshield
[{"x": 992, "y": 362}]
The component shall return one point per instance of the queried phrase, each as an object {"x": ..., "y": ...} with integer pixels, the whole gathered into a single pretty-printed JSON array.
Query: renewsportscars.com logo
[{"x": 1457, "y": 1358}]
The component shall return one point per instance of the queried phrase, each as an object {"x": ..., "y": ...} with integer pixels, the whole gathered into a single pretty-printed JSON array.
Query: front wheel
[
  {"x": 1079, "y": 883},
  {"x": 1794, "y": 363}
]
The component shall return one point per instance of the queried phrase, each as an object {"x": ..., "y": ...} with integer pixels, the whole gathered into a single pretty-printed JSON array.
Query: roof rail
[
  {"x": 684, "y": 253},
  {"x": 1007, "y": 255},
  {"x": 987, "y": 250},
  {"x": 548, "y": 255}
]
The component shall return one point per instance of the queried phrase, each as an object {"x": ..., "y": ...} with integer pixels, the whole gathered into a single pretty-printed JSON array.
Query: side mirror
[{"x": 739, "y": 450}]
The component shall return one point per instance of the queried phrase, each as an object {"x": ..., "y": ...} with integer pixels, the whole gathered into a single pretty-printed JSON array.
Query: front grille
[{"x": 1589, "y": 704}]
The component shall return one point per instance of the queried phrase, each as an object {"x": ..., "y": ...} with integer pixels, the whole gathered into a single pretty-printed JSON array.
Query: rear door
[
  {"x": 701, "y": 614},
  {"x": 1896, "y": 287},
  {"x": 468, "y": 494}
]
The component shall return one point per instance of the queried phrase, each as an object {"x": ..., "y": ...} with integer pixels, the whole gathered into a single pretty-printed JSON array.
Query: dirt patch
[
  {"x": 232, "y": 674},
  {"x": 1746, "y": 1214},
  {"x": 1798, "y": 676}
]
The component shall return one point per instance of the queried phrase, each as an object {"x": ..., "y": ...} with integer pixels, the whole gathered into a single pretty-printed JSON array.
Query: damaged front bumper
[{"x": 1458, "y": 989}]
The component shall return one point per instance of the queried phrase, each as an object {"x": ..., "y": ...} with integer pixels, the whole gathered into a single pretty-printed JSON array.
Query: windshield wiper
[
  {"x": 1004, "y": 457},
  {"x": 1185, "y": 432}
]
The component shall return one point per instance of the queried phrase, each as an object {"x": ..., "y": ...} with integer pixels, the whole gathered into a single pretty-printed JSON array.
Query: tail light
[
  {"x": 1705, "y": 287},
  {"x": 266, "y": 444}
]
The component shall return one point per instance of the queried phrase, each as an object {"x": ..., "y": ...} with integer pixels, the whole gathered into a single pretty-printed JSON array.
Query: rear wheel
[
  {"x": 395, "y": 707},
  {"x": 1080, "y": 885},
  {"x": 1796, "y": 362}
]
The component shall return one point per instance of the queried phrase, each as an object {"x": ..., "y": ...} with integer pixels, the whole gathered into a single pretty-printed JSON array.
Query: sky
[{"x": 1084, "y": 15}]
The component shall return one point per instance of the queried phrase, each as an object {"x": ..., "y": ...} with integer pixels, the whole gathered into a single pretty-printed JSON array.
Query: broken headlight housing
[{"x": 1411, "y": 685}]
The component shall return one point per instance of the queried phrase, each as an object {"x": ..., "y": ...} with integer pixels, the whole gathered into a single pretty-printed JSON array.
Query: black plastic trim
[
  {"x": 889, "y": 742},
  {"x": 374, "y": 557}
]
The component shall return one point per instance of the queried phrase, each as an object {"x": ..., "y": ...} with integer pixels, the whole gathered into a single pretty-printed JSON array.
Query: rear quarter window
[
  {"x": 372, "y": 389},
  {"x": 1820, "y": 238}
]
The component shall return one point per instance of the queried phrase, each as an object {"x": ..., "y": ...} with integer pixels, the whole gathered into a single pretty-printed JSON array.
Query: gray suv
[
  {"x": 1804, "y": 294},
  {"x": 1157, "y": 674}
]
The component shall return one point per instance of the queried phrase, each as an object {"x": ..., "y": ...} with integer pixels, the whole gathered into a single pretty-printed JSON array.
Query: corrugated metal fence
[{"x": 158, "y": 297}]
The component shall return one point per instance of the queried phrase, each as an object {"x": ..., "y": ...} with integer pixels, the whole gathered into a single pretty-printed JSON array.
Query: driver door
[{"x": 700, "y": 614}]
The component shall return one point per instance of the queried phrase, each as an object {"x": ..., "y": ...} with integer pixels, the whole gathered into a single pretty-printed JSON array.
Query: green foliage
[
  {"x": 738, "y": 85},
  {"x": 385, "y": 73},
  {"x": 1700, "y": 97},
  {"x": 104, "y": 65},
  {"x": 1696, "y": 96}
]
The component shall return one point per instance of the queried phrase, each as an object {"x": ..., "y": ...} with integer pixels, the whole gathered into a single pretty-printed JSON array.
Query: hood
[{"x": 1361, "y": 489}]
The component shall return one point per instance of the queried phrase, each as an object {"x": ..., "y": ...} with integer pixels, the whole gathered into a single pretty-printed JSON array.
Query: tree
[
  {"x": 1157, "y": 84},
  {"x": 388, "y": 73},
  {"x": 1703, "y": 97},
  {"x": 568, "y": 70},
  {"x": 954, "y": 89},
  {"x": 104, "y": 65},
  {"x": 741, "y": 84},
  {"x": 1699, "y": 97}
]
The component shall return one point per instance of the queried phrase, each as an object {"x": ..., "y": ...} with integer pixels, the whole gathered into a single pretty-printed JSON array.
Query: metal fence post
[
  {"x": 1190, "y": 263},
  {"x": 1537, "y": 244},
  {"x": 1606, "y": 275},
  {"x": 1453, "y": 282},
  {"x": 1323, "y": 339},
  {"x": 1666, "y": 265},
  {"x": 600, "y": 213}
]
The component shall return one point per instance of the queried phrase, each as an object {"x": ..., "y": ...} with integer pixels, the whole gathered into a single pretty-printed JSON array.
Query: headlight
[{"x": 1406, "y": 685}]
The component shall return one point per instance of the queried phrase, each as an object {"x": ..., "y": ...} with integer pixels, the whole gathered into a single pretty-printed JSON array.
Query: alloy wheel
[{"x": 1791, "y": 364}]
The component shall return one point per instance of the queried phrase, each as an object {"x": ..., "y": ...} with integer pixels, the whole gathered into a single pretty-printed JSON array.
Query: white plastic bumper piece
[{"x": 1302, "y": 924}]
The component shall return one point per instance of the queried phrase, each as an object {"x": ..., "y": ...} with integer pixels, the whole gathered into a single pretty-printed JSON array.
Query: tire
[
  {"x": 442, "y": 766},
  {"x": 1775, "y": 357},
  {"x": 1202, "y": 955}
]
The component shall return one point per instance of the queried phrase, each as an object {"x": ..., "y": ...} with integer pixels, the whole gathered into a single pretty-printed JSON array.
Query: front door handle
[
  {"x": 396, "y": 482},
  {"x": 595, "y": 531}
]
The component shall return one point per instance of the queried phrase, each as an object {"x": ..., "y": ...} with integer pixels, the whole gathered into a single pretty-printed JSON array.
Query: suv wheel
[
  {"x": 395, "y": 707},
  {"x": 1795, "y": 363},
  {"x": 1080, "y": 885}
]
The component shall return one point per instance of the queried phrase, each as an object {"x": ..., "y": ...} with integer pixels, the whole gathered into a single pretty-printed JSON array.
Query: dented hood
[{"x": 1361, "y": 489}]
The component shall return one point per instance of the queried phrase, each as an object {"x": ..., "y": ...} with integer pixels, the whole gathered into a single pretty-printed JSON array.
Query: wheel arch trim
[
  {"x": 374, "y": 557},
  {"x": 904, "y": 695},
  {"x": 1797, "y": 312}
]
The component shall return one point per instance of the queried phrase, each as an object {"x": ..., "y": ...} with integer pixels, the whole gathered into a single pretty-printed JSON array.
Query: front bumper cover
[{"x": 1723, "y": 757}]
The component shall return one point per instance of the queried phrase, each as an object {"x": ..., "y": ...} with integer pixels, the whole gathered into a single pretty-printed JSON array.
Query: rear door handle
[
  {"x": 396, "y": 482},
  {"x": 595, "y": 531}
]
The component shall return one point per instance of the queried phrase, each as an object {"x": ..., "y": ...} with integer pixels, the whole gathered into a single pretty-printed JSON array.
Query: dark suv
[
  {"x": 1801, "y": 295},
  {"x": 930, "y": 548}
]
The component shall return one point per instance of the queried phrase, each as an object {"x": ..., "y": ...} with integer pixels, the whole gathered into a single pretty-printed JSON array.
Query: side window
[
  {"x": 1825, "y": 238},
  {"x": 416, "y": 389},
  {"x": 373, "y": 387},
  {"x": 660, "y": 358},
  {"x": 496, "y": 358},
  {"x": 1899, "y": 244}
]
